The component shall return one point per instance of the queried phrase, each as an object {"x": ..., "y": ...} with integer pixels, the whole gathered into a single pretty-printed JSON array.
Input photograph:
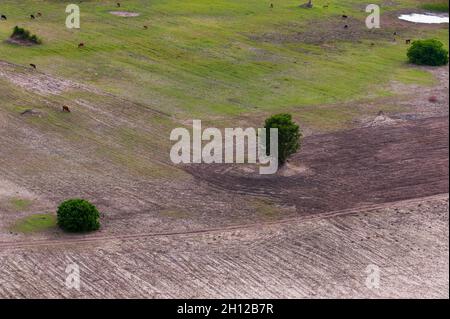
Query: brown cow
[
  {"x": 408, "y": 41},
  {"x": 32, "y": 17},
  {"x": 3, "y": 17},
  {"x": 145, "y": 27},
  {"x": 33, "y": 65},
  {"x": 81, "y": 45},
  {"x": 433, "y": 99},
  {"x": 65, "y": 108}
]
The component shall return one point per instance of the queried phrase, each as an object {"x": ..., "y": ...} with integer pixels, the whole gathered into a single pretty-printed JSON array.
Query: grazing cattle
[
  {"x": 307, "y": 5},
  {"x": 39, "y": 14},
  {"x": 118, "y": 4},
  {"x": 271, "y": 5},
  {"x": 344, "y": 16},
  {"x": 3, "y": 17},
  {"x": 145, "y": 27},
  {"x": 381, "y": 113},
  {"x": 326, "y": 5},
  {"x": 372, "y": 44},
  {"x": 346, "y": 26},
  {"x": 395, "y": 33},
  {"x": 33, "y": 65},
  {"x": 408, "y": 41},
  {"x": 32, "y": 17},
  {"x": 81, "y": 45},
  {"x": 65, "y": 108}
]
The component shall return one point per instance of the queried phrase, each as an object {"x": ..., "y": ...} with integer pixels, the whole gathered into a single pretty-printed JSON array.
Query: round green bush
[
  {"x": 428, "y": 52},
  {"x": 78, "y": 215}
]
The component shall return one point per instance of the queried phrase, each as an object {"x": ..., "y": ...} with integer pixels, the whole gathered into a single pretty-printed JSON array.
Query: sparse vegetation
[
  {"x": 35, "y": 223},
  {"x": 25, "y": 35},
  {"x": 78, "y": 215},
  {"x": 428, "y": 52},
  {"x": 20, "y": 204},
  {"x": 288, "y": 135}
]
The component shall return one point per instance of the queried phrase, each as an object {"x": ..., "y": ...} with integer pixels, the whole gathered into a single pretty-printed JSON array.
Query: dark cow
[
  {"x": 66, "y": 109},
  {"x": 346, "y": 26},
  {"x": 3, "y": 17},
  {"x": 145, "y": 27},
  {"x": 81, "y": 45},
  {"x": 433, "y": 99},
  {"x": 39, "y": 14},
  {"x": 32, "y": 16},
  {"x": 271, "y": 5},
  {"x": 408, "y": 41},
  {"x": 118, "y": 4},
  {"x": 33, "y": 65},
  {"x": 344, "y": 16}
]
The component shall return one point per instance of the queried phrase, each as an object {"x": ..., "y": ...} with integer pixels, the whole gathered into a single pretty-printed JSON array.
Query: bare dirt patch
[
  {"x": 333, "y": 29},
  {"x": 35, "y": 81},
  {"x": 336, "y": 29},
  {"x": 21, "y": 42},
  {"x": 125, "y": 14},
  {"x": 352, "y": 168}
]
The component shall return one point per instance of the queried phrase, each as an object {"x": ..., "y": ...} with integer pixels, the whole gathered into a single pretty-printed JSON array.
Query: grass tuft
[{"x": 35, "y": 223}]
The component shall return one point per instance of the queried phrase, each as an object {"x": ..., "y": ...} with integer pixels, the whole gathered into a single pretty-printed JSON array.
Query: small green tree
[
  {"x": 25, "y": 35},
  {"x": 428, "y": 52},
  {"x": 288, "y": 135},
  {"x": 78, "y": 215}
]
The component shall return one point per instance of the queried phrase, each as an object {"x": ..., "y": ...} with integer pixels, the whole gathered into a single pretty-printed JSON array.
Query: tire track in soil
[{"x": 96, "y": 239}]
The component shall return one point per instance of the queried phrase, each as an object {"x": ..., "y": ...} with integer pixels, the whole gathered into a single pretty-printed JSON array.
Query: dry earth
[
  {"x": 376, "y": 194},
  {"x": 321, "y": 258}
]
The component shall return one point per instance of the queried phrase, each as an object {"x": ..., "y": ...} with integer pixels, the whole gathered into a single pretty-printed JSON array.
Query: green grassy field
[{"x": 204, "y": 59}]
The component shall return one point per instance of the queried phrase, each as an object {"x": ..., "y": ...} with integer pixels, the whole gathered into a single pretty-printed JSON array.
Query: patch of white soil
[
  {"x": 427, "y": 18},
  {"x": 290, "y": 169},
  {"x": 124, "y": 14}
]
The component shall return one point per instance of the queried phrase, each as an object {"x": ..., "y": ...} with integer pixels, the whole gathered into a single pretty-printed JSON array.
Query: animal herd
[{"x": 32, "y": 16}]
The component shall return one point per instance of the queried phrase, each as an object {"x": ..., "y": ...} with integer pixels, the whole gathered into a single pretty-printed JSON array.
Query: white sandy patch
[
  {"x": 125, "y": 13},
  {"x": 424, "y": 18}
]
